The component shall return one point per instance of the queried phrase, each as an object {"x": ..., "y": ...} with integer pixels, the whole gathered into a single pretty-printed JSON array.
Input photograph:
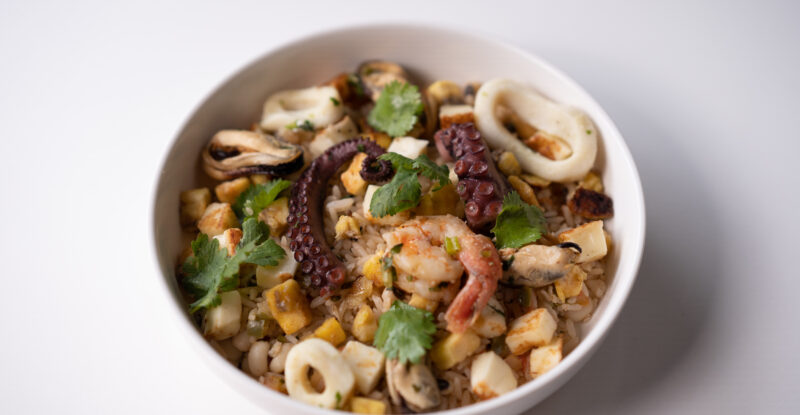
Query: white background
[{"x": 705, "y": 94}]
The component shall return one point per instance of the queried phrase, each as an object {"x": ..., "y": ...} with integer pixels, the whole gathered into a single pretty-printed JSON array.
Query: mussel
[{"x": 235, "y": 153}]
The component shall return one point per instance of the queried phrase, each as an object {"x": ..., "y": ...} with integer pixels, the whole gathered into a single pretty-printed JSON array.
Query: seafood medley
[{"x": 376, "y": 245}]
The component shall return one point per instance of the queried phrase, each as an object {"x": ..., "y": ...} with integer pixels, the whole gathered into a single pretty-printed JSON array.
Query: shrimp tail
[{"x": 484, "y": 269}]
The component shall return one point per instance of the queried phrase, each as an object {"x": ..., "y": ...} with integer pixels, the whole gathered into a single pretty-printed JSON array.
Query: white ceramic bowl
[{"x": 428, "y": 53}]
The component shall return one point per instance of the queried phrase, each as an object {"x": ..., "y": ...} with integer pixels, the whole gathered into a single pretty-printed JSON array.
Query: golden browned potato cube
[
  {"x": 227, "y": 192},
  {"x": 454, "y": 348},
  {"x": 193, "y": 204},
  {"x": 331, "y": 331},
  {"x": 359, "y": 405},
  {"x": 216, "y": 218},
  {"x": 544, "y": 358},
  {"x": 534, "y": 329},
  {"x": 455, "y": 114},
  {"x": 592, "y": 182},
  {"x": 365, "y": 324},
  {"x": 525, "y": 191},
  {"x": 351, "y": 178},
  {"x": 372, "y": 269},
  {"x": 379, "y": 138},
  {"x": 289, "y": 306},
  {"x": 508, "y": 164},
  {"x": 275, "y": 216},
  {"x": 590, "y": 237}
]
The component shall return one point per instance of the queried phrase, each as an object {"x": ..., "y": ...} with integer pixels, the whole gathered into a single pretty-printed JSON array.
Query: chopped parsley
[
  {"x": 397, "y": 109},
  {"x": 404, "y": 191},
  {"x": 257, "y": 197},
  {"x": 387, "y": 266},
  {"x": 335, "y": 101},
  {"x": 518, "y": 223},
  {"x": 405, "y": 333},
  {"x": 211, "y": 271},
  {"x": 305, "y": 125}
]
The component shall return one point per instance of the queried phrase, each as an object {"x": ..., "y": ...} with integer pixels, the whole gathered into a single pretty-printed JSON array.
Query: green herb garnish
[
  {"x": 335, "y": 102},
  {"x": 397, "y": 108},
  {"x": 405, "y": 332},
  {"x": 404, "y": 191},
  {"x": 305, "y": 125},
  {"x": 211, "y": 271},
  {"x": 451, "y": 245},
  {"x": 518, "y": 223},
  {"x": 257, "y": 197}
]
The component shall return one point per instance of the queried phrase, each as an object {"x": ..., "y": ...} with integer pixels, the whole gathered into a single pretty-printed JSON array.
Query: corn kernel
[
  {"x": 347, "y": 227},
  {"x": 365, "y": 324},
  {"x": 525, "y": 191},
  {"x": 508, "y": 164}
]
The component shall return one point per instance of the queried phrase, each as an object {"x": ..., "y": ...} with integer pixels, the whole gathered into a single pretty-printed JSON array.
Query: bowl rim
[{"x": 577, "y": 356}]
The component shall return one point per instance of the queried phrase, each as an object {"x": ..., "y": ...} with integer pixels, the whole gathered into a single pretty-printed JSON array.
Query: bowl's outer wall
[{"x": 445, "y": 55}]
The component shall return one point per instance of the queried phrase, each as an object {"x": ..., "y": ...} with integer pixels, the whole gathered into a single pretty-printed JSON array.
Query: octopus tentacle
[
  {"x": 306, "y": 233},
  {"x": 480, "y": 185}
]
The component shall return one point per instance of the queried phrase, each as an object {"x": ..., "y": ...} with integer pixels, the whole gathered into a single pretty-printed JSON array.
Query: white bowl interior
[{"x": 429, "y": 54}]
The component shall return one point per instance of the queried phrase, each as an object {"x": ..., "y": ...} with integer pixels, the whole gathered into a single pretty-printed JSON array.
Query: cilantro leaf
[
  {"x": 402, "y": 193},
  {"x": 257, "y": 197},
  {"x": 397, "y": 108},
  {"x": 211, "y": 271},
  {"x": 518, "y": 223},
  {"x": 405, "y": 332}
]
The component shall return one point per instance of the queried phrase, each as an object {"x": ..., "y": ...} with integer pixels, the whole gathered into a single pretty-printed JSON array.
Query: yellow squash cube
[
  {"x": 331, "y": 331},
  {"x": 289, "y": 306},
  {"x": 365, "y": 324},
  {"x": 422, "y": 302},
  {"x": 454, "y": 348},
  {"x": 372, "y": 269},
  {"x": 359, "y": 405},
  {"x": 227, "y": 192}
]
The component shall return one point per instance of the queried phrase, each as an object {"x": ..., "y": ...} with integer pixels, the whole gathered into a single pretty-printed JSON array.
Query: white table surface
[{"x": 705, "y": 94}]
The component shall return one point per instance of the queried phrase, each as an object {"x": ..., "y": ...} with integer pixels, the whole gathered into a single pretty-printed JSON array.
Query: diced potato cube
[
  {"x": 351, "y": 178},
  {"x": 381, "y": 139},
  {"x": 217, "y": 218},
  {"x": 347, "y": 227},
  {"x": 259, "y": 178},
  {"x": 590, "y": 238},
  {"x": 275, "y": 216},
  {"x": 222, "y": 321},
  {"x": 270, "y": 276},
  {"x": 525, "y": 191},
  {"x": 359, "y": 405},
  {"x": 508, "y": 164},
  {"x": 571, "y": 284},
  {"x": 592, "y": 182},
  {"x": 289, "y": 306},
  {"x": 455, "y": 114},
  {"x": 193, "y": 204},
  {"x": 274, "y": 382},
  {"x": 227, "y": 192},
  {"x": 490, "y": 376},
  {"x": 408, "y": 146},
  {"x": 422, "y": 302},
  {"x": 533, "y": 329},
  {"x": 491, "y": 322},
  {"x": 372, "y": 269},
  {"x": 366, "y": 363},
  {"x": 544, "y": 358},
  {"x": 365, "y": 324},
  {"x": 229, "y": 240},
  {"x": 454, "y": 348},
  {"x": 331, "y": 331}
]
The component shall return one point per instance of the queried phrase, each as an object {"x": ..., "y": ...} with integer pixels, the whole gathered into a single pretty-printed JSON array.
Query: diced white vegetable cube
[
  {"x": 590, "y": 238},
  {"x": 229, "y": 240},
  {"x": 367, "y": 364},
  {"x": 222, "y": 321},
  {"x": 492, "y": 320},
  {"x": 544, "y": 358},
  {"x": 533, "y": 329},
  {"x": 270, "y": 276},
  {"x": 490, "y": 376},
  {"x": 407, "y": 146}
]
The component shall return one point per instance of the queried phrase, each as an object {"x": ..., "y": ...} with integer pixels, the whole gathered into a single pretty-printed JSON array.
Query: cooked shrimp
[{"x": 424, "y": 267}]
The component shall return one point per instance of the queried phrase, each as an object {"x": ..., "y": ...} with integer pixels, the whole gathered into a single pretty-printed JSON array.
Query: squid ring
[
  {"x": 571, "y": 125},
  {"x": 317, "y": 105},
  {"x": 324, "y": 358}
]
